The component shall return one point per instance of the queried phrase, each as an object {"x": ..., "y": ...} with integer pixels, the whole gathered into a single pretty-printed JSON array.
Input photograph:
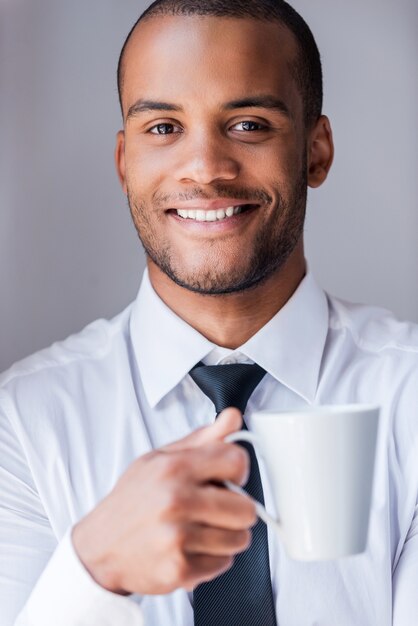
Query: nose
[{"x": 206, "y": 158}]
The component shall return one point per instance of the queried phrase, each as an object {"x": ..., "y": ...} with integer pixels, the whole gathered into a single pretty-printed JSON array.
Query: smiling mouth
[{"x": 213, "y": 215}]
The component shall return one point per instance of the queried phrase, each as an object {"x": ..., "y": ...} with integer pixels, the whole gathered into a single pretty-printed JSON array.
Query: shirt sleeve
[
  {"x": 66, "y": 594},
  {"x": 42, "y": 583},
  {"x": 405, "y": 580}
]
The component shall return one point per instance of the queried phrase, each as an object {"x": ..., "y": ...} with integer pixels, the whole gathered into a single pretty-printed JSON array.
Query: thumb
[{"x": 229, "y": 421}]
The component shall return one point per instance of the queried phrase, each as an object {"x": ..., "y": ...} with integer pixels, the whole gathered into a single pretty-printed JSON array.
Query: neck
[{"x": 230, "y": 320}]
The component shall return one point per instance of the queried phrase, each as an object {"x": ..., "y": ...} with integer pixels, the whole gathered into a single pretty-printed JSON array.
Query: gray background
[{"x": 68, "y": 252}]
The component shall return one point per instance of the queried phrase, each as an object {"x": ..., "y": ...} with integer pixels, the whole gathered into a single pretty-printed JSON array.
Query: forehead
[{"x": 207, "y": 59}]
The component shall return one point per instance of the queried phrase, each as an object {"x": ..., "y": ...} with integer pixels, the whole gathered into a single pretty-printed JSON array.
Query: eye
[
  {"x": 248, "y": 126},
  {"x": 164, "y": 129}
]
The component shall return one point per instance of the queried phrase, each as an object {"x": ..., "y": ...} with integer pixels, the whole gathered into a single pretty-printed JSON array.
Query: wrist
[{"x": 95, "y": 561}]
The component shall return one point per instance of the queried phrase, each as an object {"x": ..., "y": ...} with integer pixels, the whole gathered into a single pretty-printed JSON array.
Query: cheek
[
  {"x": 143, "y": 168},
  {"x": 276, "y": 164}
]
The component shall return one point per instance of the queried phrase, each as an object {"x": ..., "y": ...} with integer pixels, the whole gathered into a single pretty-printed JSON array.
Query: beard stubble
[{"x": 274, "y": 242}]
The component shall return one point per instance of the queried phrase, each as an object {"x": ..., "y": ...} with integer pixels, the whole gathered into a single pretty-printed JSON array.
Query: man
[{"x": 111, "y": 458}]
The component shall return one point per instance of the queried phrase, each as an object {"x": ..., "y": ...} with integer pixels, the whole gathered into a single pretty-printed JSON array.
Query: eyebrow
[
  {"x": 140, "y": 106},
  {"x": 263, "y": 101}
]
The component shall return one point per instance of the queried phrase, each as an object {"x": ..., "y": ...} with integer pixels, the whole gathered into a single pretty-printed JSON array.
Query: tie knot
[{"x": 228, "y": 385}]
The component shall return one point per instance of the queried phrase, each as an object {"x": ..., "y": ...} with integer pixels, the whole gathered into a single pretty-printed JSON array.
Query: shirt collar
[
  {"x": 166, "y": 347},
  {"x": 289, "y": 346}
]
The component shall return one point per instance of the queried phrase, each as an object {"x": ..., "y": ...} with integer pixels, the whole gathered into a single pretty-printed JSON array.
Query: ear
[
  {"x": 120, "y": 159},
  {"x": 320, "y": 152}
]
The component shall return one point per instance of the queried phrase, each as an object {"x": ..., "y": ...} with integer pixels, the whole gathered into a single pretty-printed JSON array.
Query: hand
[{"x": 167, "y": 524}]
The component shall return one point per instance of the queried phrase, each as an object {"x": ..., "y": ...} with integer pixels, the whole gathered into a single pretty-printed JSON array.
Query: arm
[
  {"x": 120, "y": 547},
  {"x": 42, "y": 583}
]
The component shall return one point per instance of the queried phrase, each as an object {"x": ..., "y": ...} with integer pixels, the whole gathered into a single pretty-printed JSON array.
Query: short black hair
[{"x": 307, "y": 69}]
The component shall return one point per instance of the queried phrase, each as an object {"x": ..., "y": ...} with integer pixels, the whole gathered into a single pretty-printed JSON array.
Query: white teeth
[{"x": 208, "y": 216}]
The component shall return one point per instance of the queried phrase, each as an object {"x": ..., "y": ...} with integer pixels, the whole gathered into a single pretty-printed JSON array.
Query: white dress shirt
[{"x": 74, "y": 416}]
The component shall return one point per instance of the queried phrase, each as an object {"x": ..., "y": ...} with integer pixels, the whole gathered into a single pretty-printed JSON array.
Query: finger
[
  {"x": 204, "y": 567},
  {"x": 216, "y": 541},
  {"x": 227, "y": 422},
  {"x": 219, "y": 507},
  {"x": 217, "y": 462}
]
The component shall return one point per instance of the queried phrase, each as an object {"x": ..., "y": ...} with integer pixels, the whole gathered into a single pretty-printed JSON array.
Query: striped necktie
[{"x": 242, "y": 596}]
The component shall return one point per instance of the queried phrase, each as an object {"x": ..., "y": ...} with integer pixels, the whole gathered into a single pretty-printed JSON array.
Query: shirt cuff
[{"x": 67, "y": 595}]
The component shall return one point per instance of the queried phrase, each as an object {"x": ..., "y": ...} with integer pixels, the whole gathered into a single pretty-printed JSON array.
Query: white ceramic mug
[{"x": 320, "y": 464}]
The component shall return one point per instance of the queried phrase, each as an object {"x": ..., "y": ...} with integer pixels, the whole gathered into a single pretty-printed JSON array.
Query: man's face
[{"x": 213, "y": 126}]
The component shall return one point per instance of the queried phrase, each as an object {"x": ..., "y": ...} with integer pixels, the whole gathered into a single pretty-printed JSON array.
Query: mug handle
[{"x": 245, "y": 435}]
